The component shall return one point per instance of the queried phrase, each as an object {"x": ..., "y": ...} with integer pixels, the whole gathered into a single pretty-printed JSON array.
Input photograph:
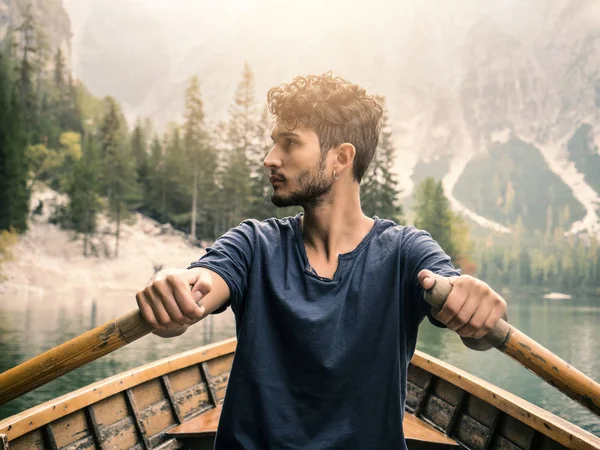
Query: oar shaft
[
  {"x": 71, "y": 355},
  {"x": 531, "y": 355},
  {"x": 554, "y": 370}
]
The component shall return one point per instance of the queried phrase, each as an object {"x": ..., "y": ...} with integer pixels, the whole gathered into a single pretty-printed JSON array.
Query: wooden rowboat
[{"x": 175, "y": 403}]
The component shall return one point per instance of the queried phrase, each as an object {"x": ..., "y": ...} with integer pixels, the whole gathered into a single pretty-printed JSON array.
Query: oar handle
[
  {"x": 437, "y": 296},
  {"x": 72, "y": 354},
  {"x": 530, "y": 354}
]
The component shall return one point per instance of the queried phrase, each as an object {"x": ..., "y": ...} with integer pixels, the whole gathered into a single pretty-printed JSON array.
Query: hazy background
[
  {"x": 498, "y": 101},
  {"x": 458, "y": 75}
]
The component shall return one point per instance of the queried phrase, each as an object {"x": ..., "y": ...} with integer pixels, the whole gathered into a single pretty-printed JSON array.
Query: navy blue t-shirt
[{"x": 320, "y": 363}]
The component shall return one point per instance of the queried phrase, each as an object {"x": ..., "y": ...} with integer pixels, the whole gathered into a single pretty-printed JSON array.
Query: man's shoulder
[
  {"x": 401, "y": 235},
  {"x": 269, "y": 230}
]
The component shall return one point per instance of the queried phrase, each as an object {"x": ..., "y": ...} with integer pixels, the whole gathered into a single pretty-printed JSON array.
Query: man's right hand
[{"x": 171, "y": 301}]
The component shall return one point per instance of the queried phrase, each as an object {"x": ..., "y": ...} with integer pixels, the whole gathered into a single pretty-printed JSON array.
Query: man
[{"x": 327, "y": 303}]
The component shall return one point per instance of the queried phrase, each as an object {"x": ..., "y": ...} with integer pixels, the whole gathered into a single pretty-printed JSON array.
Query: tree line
[
  {"x": 204, "y": 179},
  {"x": 201, "y": 179}
]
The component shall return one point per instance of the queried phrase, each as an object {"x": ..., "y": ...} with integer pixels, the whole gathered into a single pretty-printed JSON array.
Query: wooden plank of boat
[
  {"x": 205, "y": 425},
  {"x": 138, "y": 408}
]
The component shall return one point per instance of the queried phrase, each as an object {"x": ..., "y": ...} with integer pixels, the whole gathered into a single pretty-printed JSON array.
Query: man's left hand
[{"x": 472, "y": 309}]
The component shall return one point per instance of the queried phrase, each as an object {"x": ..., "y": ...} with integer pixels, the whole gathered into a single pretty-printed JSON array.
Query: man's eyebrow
[{"x": 285, "y": 134}]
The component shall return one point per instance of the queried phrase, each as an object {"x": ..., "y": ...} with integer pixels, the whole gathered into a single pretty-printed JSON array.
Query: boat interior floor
[{"x": 199, "y": 433}]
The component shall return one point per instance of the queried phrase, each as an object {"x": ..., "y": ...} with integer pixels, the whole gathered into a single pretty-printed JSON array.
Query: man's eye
[{"x": 289, "y": 143}]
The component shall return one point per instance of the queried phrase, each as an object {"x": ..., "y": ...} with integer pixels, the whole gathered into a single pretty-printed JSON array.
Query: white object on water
[{"x": 557, "y": 296}]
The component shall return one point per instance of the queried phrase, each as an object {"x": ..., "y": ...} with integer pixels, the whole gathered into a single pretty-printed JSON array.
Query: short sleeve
[
  {"x": 231, "y": 257},
  {"x": 421, "y": 251}
]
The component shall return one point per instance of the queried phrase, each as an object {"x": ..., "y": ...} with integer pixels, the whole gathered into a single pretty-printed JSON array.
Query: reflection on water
[{"x": 32, "y": 321}]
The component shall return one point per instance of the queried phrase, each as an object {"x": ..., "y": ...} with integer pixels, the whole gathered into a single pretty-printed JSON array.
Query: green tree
[
  {"x": 242, "y": 146},
  {"x": 139, "y": 152},
  {"x": 28, "y": 34},
  {"x": 433, "y": 214},
  {"x": 201, "y": 156},
  {"x": 117, "y": 166},
  {"x": 67, "y": 109},
  {"x": 379, "y": 189},
  {"x": 155, "y": 195},
  {"x": 14, "y": 202},
  {"x": 84, "y": 201},
  {"x": 177, "y": 199}
]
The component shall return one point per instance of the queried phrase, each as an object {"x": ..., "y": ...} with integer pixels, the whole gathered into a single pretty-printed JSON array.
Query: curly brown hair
[{"x": 337, "y": 110}]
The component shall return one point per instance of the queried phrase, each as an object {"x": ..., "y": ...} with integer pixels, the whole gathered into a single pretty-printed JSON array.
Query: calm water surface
[{"x": 33, "y": 321}]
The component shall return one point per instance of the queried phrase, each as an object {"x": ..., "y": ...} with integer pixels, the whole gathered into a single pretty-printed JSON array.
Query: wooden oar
[
  {"x": 531, "y": 355},
  {"x": 72, "y": 354},
  {"x": 131, "y": 326}
]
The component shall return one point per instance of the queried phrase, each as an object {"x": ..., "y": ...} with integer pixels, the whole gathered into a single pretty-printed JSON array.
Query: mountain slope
[{"x": 512, "y": 181}]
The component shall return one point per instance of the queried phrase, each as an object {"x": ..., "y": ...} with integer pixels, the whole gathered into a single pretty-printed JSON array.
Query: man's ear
[{"x": 345, "y": 157}]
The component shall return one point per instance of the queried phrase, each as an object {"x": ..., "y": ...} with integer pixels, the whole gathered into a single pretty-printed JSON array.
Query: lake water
[{"x": 32, "y": 321}]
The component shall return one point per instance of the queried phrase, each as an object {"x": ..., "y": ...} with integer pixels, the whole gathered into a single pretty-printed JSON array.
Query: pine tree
[
  {"x": 14, "y": 190},
  {"x": 201, "y": 156},
  {"x": 66, "y": 106},
  {"x": 379, "y": 188},
  {"x": 433, "y": 214},
  {"x": 176, "y": 198},
  {"x": 155, "y": 191},
  {"x": 242, "y": 140},
  {"x": 27, "y": 39},
  {"x": 84, "y": 201},
  {"x": 139, "y": 152},
  {"x": 117, "y": 166}
]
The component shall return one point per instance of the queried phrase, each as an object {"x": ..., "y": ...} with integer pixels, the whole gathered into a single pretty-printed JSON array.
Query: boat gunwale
[
  {"x": 556, "y": 428},
  {"x": 37, "y": 416},
  {"x": 541, "y": 420}
]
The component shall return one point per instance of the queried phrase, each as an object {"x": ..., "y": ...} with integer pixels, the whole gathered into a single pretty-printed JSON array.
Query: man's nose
[{"x": 271, "y": 160}]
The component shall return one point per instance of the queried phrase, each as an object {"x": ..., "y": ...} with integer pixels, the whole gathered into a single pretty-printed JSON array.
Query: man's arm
[
  {"x": 472, "y": 308},
  {"x": 175, "y": 299}
]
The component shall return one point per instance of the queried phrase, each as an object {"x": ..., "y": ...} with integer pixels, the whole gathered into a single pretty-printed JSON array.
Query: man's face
[{"x": 298, "y": 170}]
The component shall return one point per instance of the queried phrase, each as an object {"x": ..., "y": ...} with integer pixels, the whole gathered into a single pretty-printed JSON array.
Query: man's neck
[{"x": 335, "y": 227}]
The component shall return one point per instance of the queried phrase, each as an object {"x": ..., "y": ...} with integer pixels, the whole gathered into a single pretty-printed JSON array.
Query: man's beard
[{"x": 313, "y": 190}]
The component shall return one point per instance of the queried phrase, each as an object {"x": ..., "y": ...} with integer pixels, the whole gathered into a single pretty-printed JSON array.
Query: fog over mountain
[{"x": 491, "y": 97}]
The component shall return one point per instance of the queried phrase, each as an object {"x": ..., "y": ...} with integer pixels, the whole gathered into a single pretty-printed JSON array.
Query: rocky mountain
[
  {"x": 50, "y": 14},
  {"x": 490, "y": 97}
]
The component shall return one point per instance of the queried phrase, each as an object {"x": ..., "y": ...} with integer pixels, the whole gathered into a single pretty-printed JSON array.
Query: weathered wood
[
  {"x": 210, "y": 383},
  {"x": 90, "y": 416},
  {"x": 437, "y": 411},
  {"x": 193, "y": 400},
  {"x": 456, "y": 413},
  {"x": 515, "y": 432},
  {"x": 49, "y": 438},
  {"x": 139, "y": 424},
  {"x": 206, "y": 425},
  {"x": 71, "y": 355},
  {"x": 217, "y": 376},
  {"x": 30, "y": 441},
  {"x": 174, "y": 406},
  {"x": 39, "y": 416},
  {"x": 471, "y": 433},
  {"x": 69, "y": 429},
  {"x": 449, "y": 397},
  {"x": 537, "y": 418},
  {"x": 416, "y": 429},
  {"x": 531, "y": 355},
  {"x": 121, "y": 434},
  {"x": 553, "y": 369},
  {"x": 203, "y": 425}
]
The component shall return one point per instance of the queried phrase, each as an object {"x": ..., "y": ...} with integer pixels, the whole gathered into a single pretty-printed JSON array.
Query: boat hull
[{"x": 143, "y": 408}]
